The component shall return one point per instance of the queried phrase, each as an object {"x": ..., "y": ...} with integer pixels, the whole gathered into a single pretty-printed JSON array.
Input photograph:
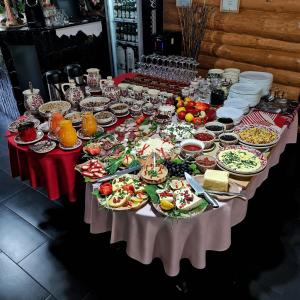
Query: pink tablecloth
[{"x": 149, "y": 235}]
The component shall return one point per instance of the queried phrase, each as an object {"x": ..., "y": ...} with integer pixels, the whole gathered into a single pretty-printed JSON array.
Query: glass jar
[
  {"x": 67, "y": 134},
  {"x": 89, "y": 124},
  {"x": 54, "y": 123},
  {"x": 27, "y": 131}
]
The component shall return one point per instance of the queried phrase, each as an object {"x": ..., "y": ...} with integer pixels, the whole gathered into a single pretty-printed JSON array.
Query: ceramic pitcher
[
  {"x": 73, "y": 94},
  {"x": 93, "y": 78},
  {"x": 32, "y": 100}
]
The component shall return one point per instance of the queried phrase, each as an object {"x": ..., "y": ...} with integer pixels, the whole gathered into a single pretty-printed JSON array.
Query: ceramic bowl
[
  {"x": 205, "y": 162},
  {"x": 119, "y": 108},
  {"x": 207, "y": 143},
  {"x": 216, "y": 127},
  {"x": 228, "y": 139},
  {"x": 186, "y": 151},
  {"x": 104, "y": 117},
  {"x": 95, "y": 104},
  {"x": 227, "y": 122}
]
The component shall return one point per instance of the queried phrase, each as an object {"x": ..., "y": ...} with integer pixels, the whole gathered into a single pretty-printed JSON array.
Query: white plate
[
  {"x": 245, "y": 89},
  {"x": 77, "y": 145},
  {"x": 49, "y": 148},
  {"x": 238, "y": 174},
  {"x": 39, "y": 136}
]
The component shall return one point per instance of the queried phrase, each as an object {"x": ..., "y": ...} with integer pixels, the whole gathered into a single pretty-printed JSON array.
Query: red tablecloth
[{"x": 55, "y": 170}]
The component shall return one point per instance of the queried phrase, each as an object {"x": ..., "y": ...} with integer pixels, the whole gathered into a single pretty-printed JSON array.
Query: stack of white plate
[
  {"x": 235, "y": 103},
  {"x": 247, "y": 93},
  {"x": 229, "y": 112},
  {"x": 231, "y": 74},
  {"x": 263, "y": 80}
]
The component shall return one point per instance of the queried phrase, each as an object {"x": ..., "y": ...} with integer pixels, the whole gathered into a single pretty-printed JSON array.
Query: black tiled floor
[
  {"x": 9, "y": 186},
  {"x": 44, "y": 267},
  {"x": 36, "y": 209},
  {"x": 15, "y": 284},
  {"x": 17, "y": 237}
]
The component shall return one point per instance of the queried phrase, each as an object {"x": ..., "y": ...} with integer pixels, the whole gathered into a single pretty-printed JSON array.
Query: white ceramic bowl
[
  {"x": 119, "y": 108},
  {"x": 209, "y": 143},
  {"x": 104, "y": 117},
  {"x": 193, "y": 153},
  {"x": 94, "y": 104},
  {"x": 216, "y": 132}
]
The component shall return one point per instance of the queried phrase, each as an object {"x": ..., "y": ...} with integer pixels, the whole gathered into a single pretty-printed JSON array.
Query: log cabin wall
[{"x": 263, "y": 36}]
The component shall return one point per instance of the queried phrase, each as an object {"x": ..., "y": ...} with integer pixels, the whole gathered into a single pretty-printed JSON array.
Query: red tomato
[
  {"x": 105, "y": 188},
  {"x": 181, "y": 115},
  {"x": 140, "y": 120},
  {"x": 192, "y": 110},
  {"x": 128, "y": 188},
  {"x": 198, "y": 121},
  {"x": 190, "y": 104}
]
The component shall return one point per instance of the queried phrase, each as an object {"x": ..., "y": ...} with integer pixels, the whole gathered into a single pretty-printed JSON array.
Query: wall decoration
[{"x": 230, "y": 6}]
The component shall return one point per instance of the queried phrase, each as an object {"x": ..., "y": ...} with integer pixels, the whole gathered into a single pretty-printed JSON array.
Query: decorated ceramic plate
[
  {"x": 13, "y": 126},
  {"x": 258, "y": 135},
  {"x": 241, "y": 160},
  {"x": 87, "y": 138},
  {"x": 43, "y": 146},
  {"x": 77, "y": 145},
  {"x": 39, "y": 136}
]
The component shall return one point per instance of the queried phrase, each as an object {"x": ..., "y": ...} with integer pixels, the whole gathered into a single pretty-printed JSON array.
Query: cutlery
[
  {"x": 117, "y": 174},
  {"x": 200, "y": 190},
  {"x": 237, "y": 195}
]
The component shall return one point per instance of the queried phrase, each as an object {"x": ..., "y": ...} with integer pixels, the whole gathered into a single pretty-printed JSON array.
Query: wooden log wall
[{"x": 263, "y": 36}]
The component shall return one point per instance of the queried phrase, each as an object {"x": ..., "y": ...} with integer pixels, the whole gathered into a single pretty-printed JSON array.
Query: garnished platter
[
  {"x": 178, "y": 131},
  {"x": 258, "y": 135},
  {"x": 241, "y": 160}
]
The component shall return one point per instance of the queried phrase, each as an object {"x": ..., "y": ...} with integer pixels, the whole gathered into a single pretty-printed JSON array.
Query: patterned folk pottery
[
  {"x": 73, "y": 94},
  {"x": 93, "y": 78},
  {"x": 32, "y": 100}
]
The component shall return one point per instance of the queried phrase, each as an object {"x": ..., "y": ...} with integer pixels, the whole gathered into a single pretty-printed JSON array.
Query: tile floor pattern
[{"x": 46, "y": 251}]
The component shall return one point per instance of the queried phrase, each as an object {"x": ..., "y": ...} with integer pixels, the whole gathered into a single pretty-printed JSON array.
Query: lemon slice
[{"x": 166, "y": 205}]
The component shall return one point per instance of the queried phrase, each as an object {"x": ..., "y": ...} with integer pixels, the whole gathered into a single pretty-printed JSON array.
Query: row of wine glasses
[
  {"x": 166, "y": 72},
  {"x": 171, "y": 61}
]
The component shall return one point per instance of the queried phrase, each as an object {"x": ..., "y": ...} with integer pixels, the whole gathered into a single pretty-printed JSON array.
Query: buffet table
[
  {"x": 55, "y": 171},
  {"x": 149, "y": 235}
]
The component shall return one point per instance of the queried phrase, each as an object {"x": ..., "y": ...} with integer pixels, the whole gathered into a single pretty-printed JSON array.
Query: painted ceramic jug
[
  {"x": 93, "y": 78},
  {"x": 73, "y": 94}
]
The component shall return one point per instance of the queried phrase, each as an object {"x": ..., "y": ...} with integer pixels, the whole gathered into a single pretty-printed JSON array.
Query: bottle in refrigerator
[
  {"x": 116, "y": 8},
  {"x": 121, "y": 59},
  {"x": 127, "y": 11},
  {"x": 130, "y": 59},
  {"x": 123, "y": 11},
  {"x": 119, "y": 10},
  {"x": 125, "y": 32},
  {"x": 121, "y": 31}
]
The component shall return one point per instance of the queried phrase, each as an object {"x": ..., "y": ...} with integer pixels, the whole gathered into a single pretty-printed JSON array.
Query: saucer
[
  {"x": 39, "y": 136},
  {"x": 121, "y": 116},
  {"x": 87, "y": 138},
  {"x": 113, "y": 122},
  {"x": 77, "y": 145},
  {"x": 52, "y": 137}
]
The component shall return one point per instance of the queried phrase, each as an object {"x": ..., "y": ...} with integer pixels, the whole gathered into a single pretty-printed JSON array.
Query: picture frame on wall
[{"x": 230, "y": 6}]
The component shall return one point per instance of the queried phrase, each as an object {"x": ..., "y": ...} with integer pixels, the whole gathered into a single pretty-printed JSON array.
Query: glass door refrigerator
[{"x": 131, "y": 26}]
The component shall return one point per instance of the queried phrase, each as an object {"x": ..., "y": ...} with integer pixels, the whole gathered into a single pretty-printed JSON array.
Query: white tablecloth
[{"x": 149, "y": 235}]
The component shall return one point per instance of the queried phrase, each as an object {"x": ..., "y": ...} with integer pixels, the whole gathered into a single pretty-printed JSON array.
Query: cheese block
[
  {"x": 186, "y": 200},
  {"x": 216, "y": 180}
]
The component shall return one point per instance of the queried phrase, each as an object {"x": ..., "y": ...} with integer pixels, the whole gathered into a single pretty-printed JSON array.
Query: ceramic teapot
[
  {"x": 32, "y": 100},
  {"x": 93, "y": 78},
  {"x": 73, "y": 94}
]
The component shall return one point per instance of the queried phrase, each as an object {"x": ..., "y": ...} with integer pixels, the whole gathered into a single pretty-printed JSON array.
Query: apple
[{"x": 181, "y": 115}]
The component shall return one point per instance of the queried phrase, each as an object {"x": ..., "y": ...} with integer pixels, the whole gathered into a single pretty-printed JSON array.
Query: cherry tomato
[
  {"x": 198, "y": 121},
  {"x": 191, "y": 104},
  {"x": 105, "y": 188}
]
